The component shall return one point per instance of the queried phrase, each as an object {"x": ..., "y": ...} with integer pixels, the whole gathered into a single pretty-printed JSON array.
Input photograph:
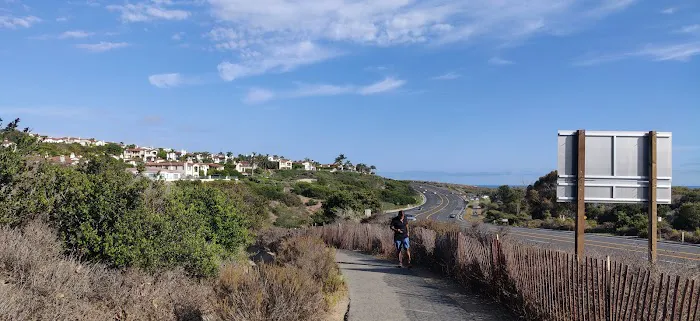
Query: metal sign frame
[
  {"x": 594, "y": 170},
  {"x": 616, "y": 167}
]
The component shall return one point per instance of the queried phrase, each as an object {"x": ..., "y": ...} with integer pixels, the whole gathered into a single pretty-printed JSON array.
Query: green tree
[
  {"x": 340, "y": 159},
  {"x": 162, "y": 154},
  {"x": 113, "y": 149},
  {"x": 688, "y": 217}
]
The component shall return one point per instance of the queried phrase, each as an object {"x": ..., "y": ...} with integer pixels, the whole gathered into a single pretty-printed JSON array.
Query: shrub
[
  {"x": 39, "y": 284},
  {"x": 688, "y": 217},
  {"x": 315, "y": 258},
  {"x": 311, "y": 202},
  {"x": 106, "y": 214},
  {"x": 268, "y": 292},
  {"x": 311, "y": 190}
]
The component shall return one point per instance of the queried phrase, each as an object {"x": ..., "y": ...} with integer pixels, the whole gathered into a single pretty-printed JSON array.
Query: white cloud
[
  {"x": 448, "y": 76},
  {"x": 321, "y": 90},
  {"x": 258, "y": 95},
  {"x": 676, "y": 52},
  {"x": 393, "y": 22},
  {"x": 75, "y": 34},
  {"x": 690, "y": 29},
  {"x": 500, "y": 61},
  {"x": 255, "y": 29},
  {"x": 102, "y": 46},
  {"x": 11, "y": 22},
  {"x": 680, "y": 52},
  {"x": 61, "y": 19},
  {"x": 177, "y": 36},
  {"x": 388, "y": 84},
  {"x": 166, "y": 80},
  {"x": 275, "y": 59},
  {"x": 146, "y": 12},
  {"x": 670, "y": 10}
]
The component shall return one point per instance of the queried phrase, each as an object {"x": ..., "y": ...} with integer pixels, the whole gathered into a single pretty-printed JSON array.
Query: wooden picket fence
[{"x": 539, "y": 284}]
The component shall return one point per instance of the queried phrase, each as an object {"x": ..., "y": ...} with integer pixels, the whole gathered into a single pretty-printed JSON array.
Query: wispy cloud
[
  {"x": 11, "y": 22},
  {"x": 260, "y": 27},
  {"x": 690, "y": 29},
  {"x": 448, "y": 76},
  {"x": 177, "y": 36},
  {"x": 166, "y": 80},
  {"x": 145, "y": 11},
  {"x": 275, "y": 59},
  {"x": 675, "y": 52},
  {"x": 670, "y": 10},
  {"x": 75, "y": 34},
  {"x": 102, "y": 46},
  {"x": 500, "y": 61},
  {"x": 61, "y": 19},
  {"x": 306, "y": 90},
  {"x": 260, "y": 95},
  {"x": 388, "y": 84},
  {"x": 680, "y": 52}
]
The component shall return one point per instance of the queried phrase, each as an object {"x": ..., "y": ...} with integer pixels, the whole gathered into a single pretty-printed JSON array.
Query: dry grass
[
  {"x": 303, "y": 284},
  {"x": 269, "y": 292},
  {"x": 38, "y": 283}
]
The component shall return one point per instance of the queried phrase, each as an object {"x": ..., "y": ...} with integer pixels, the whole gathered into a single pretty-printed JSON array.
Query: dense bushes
[
  {"x": 103, "y": 213},
  {"x": 311, "y": 190},
  {"x": 107, "y": 214},
  {"x": 688, "y": 217}
]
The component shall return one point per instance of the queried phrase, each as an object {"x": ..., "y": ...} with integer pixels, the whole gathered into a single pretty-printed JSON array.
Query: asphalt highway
[{"x": 441, "y": 203}]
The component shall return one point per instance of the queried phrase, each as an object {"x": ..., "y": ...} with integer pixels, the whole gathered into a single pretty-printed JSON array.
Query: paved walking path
[{"x": 381, "y": 291}]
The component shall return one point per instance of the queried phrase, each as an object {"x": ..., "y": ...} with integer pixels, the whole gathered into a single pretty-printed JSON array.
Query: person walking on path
[{"x": 398, "y": 225}]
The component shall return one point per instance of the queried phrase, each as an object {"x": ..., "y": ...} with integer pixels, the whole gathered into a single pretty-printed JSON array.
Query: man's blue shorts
[{"x": 402, "y": 244}]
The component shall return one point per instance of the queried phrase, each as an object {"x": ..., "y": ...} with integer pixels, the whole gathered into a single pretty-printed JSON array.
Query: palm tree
[
  {"x": 373, "y": 169},
  {"x": 229, "y": 154},
  {"x": 340, "y": 159},
  {"x": 348, "y": 165}
]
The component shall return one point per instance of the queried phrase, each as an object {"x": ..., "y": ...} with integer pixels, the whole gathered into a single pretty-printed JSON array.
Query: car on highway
[
  {"x": 420, "y": 208},
  {"x": 410, "y": 217},
  {"x": 452, "y": 216}
]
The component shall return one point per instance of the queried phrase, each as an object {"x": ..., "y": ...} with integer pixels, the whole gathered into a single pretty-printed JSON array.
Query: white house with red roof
[{"x": 285, "y": 164}]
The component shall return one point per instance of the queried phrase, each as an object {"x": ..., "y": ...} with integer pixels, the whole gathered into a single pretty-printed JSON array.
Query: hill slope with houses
[{"x": 171, "y": 165}]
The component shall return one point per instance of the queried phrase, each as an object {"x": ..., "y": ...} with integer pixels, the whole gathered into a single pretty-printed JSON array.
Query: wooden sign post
[
  {"x": 580, "y": 193},
  {"x": 652, "y": 197}
]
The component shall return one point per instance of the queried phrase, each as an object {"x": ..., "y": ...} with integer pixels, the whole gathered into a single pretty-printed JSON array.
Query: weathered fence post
[{"x": 608, "y": 288}]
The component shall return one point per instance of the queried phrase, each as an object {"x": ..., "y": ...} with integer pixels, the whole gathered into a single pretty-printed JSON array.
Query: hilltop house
[
  {"x": 146, "y": 154},
  {"x": 157, "y": 173},
  {"x": 74, "y": 140},
  {"x": 187, "y": 169},
  {"x": 243, "y": 167},
  {"x": 308, "y": 166},
  {"x": 219, "y": 158},
  {"x": 285, "y": 164}
]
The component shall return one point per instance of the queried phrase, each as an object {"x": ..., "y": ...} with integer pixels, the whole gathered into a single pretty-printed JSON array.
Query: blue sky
[{"x": 462, "y": 91}]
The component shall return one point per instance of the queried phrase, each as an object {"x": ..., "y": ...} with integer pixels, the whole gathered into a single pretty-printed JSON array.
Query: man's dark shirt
[{"x": 397, "y": 224}]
